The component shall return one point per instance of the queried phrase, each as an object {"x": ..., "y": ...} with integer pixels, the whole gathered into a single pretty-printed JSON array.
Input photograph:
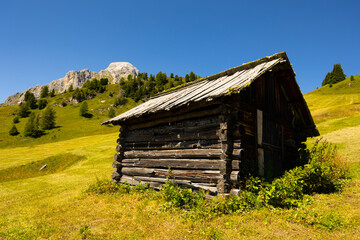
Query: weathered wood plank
[
  {"x": 199, "y": 113},
  {"x": 235, "y": 164},
  {"x": 175, "y": 154},
  {"x": 192, "y": 144},
  {"x": 194, "y": 175},
  {"x": 173, "y": 163},
  {"x": 157, "y": 182},
  {"x": 180, "y": 135}
]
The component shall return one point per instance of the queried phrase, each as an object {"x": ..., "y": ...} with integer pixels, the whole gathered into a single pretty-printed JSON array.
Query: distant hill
[
  {"x": 337, "y": 106},
  {"x": 114, "y": 72}
]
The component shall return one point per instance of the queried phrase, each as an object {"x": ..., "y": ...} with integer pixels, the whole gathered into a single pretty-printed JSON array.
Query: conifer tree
[
  {"x": 48, "y": 118},
  {"x": 42, "y": 103},
  {"x": 13, "y": 131},
  {"x": 192, "y": 76},
  {"x": 44, "y": 92},
  {"x": 337, "y": 75},
  {"x": 187, "y": 78},
  {"x": 30, "y": 100},
  {"x": 83, "y": 111},
  {"x": 32, "y": 127},
  {"x": 23, "y": 110},
  {"x": 71, "y": 88},
  {"x": 52, "y": 93}
]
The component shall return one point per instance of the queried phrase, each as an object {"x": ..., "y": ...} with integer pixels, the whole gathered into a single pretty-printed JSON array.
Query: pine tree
[
  {"x": 23, "y": 110},
  {"x": 352, "y": 78},
  {"x": 337, "y": 75},
  {"x": 71, "y": 88},
  {"x": 32, "y": 127},
  {"x": 187, "y": 78},
  {"x": 52, "y": 93},
  {"x": 13, "y": 131},
  {"x": 192, "y": 76},
  {"x": 111, "y": 113},
  {"x": 30, "y": 100},
  {"x": 84, "y": 109},
  {"x": 42, "y": 103},
  {"x": 48, "y": 118},
  {"x": 44, "y": 92}
]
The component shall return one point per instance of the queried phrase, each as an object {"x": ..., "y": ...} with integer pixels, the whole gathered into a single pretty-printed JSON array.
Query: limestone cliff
[{"x": 114, "y": 73}]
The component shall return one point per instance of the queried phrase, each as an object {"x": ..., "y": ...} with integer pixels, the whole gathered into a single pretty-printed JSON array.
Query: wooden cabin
[{"x": 215, "y": 131}]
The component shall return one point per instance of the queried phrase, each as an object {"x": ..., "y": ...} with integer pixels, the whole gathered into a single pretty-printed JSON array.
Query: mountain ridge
[{"x": 114, "y": 72}]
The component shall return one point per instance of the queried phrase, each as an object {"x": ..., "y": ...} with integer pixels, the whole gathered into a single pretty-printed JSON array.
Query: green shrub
[
  {"x": 16, "y": 119},
  {"x": 104, "y": 186},
  {"x": 326, "y": 172},
  {"x": 42, "y": 103},
  {"x": 181, "y": 197},
  {"x": 111, "y": 113},
  {"x": 120, "y": 101},
  {"x": 108, "y": 187},
  {"x": 284, "y": 192}
]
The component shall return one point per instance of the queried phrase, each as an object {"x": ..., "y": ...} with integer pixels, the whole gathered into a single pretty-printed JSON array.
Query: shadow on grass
[{"x": 87, "y": 115}]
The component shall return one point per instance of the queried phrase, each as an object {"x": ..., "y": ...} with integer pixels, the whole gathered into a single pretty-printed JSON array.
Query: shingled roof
[
  {"x": 205, "y": 89},
  {"x": 213, "y": 87}
]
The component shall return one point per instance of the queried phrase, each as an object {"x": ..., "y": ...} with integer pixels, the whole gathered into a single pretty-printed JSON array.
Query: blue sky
[{"x": 41, "y": 41}]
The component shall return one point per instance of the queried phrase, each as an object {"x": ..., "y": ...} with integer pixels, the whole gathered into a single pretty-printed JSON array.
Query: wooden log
[
  {"x": 175, "y": 154},
  {"x": 116, "y": 164},
  {"x": 173, "y": 136},
  {"x": 234, "y": 176},
  {"x": 235, "y": 164},
  {"x": 195, "y": 175},
  {"x": 116, "y": 175},
  {"x": 173, "y": 163},
  {"x": 150, "y": 145},
  {"x": 134, "y": 180},
  {"x": 197, "y": 113},
  {"x": 192, "y": 125},
  {"x": 238, "y": 153}
]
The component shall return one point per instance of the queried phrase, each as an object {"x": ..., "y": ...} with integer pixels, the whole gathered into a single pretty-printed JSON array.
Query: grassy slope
[
  {"x": 53, "y": 206},
  {"x": 336, "y": 107},
  {"x": 69, "y": 124}
]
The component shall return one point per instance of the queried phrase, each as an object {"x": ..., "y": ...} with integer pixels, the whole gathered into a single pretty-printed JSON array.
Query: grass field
[{"x": 54, "y": 206}]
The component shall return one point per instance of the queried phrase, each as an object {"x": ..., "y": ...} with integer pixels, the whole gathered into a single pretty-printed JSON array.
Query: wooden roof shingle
[{"x": 206, "y": 89}]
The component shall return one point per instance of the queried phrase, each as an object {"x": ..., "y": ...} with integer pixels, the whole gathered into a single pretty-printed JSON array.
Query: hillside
[
  {"x": 68, "y": 119},
  {"x": 55, "y": 205},
  {"x": 336, "y": 107}
]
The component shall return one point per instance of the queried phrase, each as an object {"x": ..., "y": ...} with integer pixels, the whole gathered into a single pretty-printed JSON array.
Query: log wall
[{"x": 191, "y": 148}]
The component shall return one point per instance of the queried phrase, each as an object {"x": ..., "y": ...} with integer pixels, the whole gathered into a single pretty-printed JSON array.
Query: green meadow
[{"x": 52, "y": 204}]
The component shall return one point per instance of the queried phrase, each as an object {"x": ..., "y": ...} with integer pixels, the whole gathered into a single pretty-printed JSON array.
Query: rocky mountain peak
[
  {"x": 114, "y": 72},
  {"x": 117, "y": 70}
]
